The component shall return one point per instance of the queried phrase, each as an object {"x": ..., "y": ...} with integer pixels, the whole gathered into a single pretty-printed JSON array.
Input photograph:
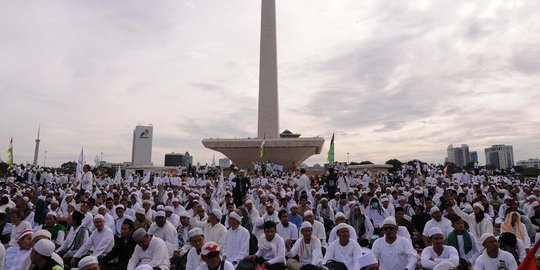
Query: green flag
[
  {"x": 331, "y": 152},
  {"x": 10, "y": 155},
  {"x": 262, "y": 151}
]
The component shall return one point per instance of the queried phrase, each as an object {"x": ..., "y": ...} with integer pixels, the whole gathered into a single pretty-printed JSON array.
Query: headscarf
[{"x": 506, "y": 226}]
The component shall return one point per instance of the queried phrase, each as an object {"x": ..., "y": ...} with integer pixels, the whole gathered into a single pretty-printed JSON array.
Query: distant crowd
[{"x": 269, "y": 216}]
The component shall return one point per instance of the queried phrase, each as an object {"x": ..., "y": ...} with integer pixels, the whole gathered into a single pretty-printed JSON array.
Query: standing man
[
  {"x": 393, "y": 251},
  {"x": 87, "y": 179},
  {"x": 241, "y": 186}
]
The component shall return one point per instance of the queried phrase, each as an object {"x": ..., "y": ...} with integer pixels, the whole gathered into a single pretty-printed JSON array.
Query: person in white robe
[
  {"x": 438, "y": 252},
  {"x": 494, "y": 258},
  {"x": 213, "y": 230},
  {"x": 393, "y": 251},
  {"x": 149, "y": 250},
  {"x": 271, "y": 249},
  {"x": 344, "y": 249},
  {"x": 236, "y": 246},
  {"x": 18, "y": 226},
  {"x": 16, "y": 255},
  {"x": 211, "y": 255},
  {"x": 196, "y": 238},
  {"x": 101, "y": 241},
  {"x": 173, "y": 218},
  {"x": 308, "y": 249},
  {"x": 437, "y": 220},
  {"x": 163, "y": 229}
]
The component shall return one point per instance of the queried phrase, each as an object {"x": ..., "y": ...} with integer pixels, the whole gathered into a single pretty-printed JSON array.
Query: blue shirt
[{"x": 296, "y": 220}]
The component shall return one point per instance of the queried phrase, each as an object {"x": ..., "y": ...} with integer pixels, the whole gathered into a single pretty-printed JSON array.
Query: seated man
[
  {"x": 236, "y": 240},
  {"x": 271, "y": 252},
  {"x": 122, "y": 250},
  {"x": 101, "y": 241},
  {"x": 16, "y": 255},
  {"x": 285, "y": 229},
  {"x": 210, "y": 253},
  {"x": 149, "y": 250},
  {"x": 463, "y": 242},
  {"x": 438, "y": 252},
  {"x": 393, "y": 251},
  {"x": 308, "y": 249},
  {"x": 76, "y": 237},
  {"x": 196, "y": 238},
  {"x": 41, "y": 255},
  {"x": 344, "y": 250},
  {"x": 493, "y": 257},
  {"x": 166, "y": 231}
]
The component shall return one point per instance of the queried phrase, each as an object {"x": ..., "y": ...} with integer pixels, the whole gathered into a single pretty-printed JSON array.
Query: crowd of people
[{"x": 269, "y": 218}]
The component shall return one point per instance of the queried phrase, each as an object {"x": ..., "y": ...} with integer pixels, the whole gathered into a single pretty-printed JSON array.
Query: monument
[
  {"x": 36, "y": 150},
  {"x": 284, "y": 149}
]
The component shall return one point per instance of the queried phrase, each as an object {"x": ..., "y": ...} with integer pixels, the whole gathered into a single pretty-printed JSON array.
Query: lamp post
[{"x": 347, "y": 158}]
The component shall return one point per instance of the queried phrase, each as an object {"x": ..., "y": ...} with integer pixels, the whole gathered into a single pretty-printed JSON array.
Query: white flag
[
  {"x": 80, "y": 164},
  {"x": 118, "y": 176},
  {"x": 214, "y": 161}
]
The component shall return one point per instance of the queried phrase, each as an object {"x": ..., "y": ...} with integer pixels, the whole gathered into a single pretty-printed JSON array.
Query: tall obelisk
[
  {"x": 36, "y": 151},
  {"x": 268, "y": 122}
]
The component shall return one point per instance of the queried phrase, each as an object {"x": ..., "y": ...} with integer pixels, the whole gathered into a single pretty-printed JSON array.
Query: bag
[{"x": 335, "y": 265}]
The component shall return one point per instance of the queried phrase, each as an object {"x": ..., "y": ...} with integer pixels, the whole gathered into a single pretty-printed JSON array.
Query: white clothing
[
  {"x": 333, "y": 234},
  {"x": 313, "y": 251},
  {"x": 228, "y": 266},
  {"x": 398, "y": 255},
  {"x": 236, "y": 246},
  {"x": 2, "y": 256},
  {"x": 155, "y": 255},
  {"x": 319, "y": 232},
  {"x": 274, "y": 217},
  {"x": 15, "y": 257},
  {"x": 267, "y": 252},
  {"x": 193, "y": 260},
  {"x": 484, "y": 262},
  {"x": 71, "y": 237},
  {"x": 215, "y": 233},
  {"x": 475, "y": 229},
  {"x": 87, "y": 181},
  {"x": 430, "y": 258},
  {"x": 445, "y": 225},
  {"x": 101, "y": 242},
  {"x": 16, "y": 231},
  {"x": 287, "y": 233},
  {"x": 348, "y": 254},
  {"x": 174, "y": 219},
  {"x": 167, "y": 233}
]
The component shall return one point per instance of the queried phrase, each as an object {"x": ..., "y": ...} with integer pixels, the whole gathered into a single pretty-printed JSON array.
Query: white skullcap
[
  {"x": 139, "y": 234},
  {"x": 305, "y": 224},
  {"x": 194, "y": 232},
  {"x": 384, "y": 199},
  {"x": 444, "y": 265},
  {"x": 51, "y": 213},
  {"x": 435, "y": 230},
  {"x": 433, "y": 210},
  {"x": 339, "y": 215},
  {"x": 140, "y": 211},
  {"x": 367, "y": 259},
  {"x": 98, "y": 216},
  {"x": 485, "y": 236},
  {"x": 175, "y": 200},
  {"x": 169, "y": 209},
  {"x": 308, "y": 213},
  {"x": 184, "y": 214},
  {"x": 160, "y": 207},
  {"x": 44, "y": 247},
  {"x": 144, "y": 267},
  {"x": 342, "y": 226},
  {"x": 259, "y": 221},
  {"x": 390, "y": 221},
  {"x": 160, "y": 214},
  {"x": 102, "y": 206},
  {"x": 236, "y": 216},
  {"x": 87, "y": 261},
  {"x": 479, "y": 205},
  {"x": 217, "y": 213},
  {"x": 119, "y": 206},
  {"x": 42, "y": 232}
]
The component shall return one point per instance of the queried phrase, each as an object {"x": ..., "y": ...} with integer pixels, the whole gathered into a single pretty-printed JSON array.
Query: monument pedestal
[{"x": 285, "y": 151}]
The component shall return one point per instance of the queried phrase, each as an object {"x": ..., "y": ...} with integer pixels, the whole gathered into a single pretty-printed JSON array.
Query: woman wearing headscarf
[
  {"x": 512, "y": 223},
  {"x": 509, "y": 242},
  {"x": 360, "y": 222}
]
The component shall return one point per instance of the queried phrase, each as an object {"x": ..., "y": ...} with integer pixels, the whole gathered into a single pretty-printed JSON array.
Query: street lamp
[{"x": 347, "y": 158}]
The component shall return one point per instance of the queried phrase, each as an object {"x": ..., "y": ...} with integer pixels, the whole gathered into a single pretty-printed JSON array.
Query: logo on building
[{"x": 145, "y": 134}]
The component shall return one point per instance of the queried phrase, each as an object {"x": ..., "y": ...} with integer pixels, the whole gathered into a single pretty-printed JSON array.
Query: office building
[
  {"x": 500, "y": 155},
  {"x": 458, "y": 155}
]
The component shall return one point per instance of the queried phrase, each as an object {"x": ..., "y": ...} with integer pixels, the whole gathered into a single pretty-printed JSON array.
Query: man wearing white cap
[
  {"x": 173, "y": 218},
  {"x": 101, "y": 241},
  {"x": 271, "y": 249},
  {"x": 41, "y": 256},
  {"x": 438, "y": 252},
  {"x": 317, "y": 226},
  {"x": 196, "y": 238},
  {"x": 493, "y": 258},
  {"x": 253, "y": 213},
  {"x": 165, "y": 230},
  {"x": 479, "y": 222},
  {"x": 308, "y": 249},
  {"x": 183, "y": 232},
  {"x": 393, "y": 251},
  {"x": 15, "y": 256},
  {"x": 437, "y": 220},
  {"x": 149, "y": 250},
  {"x": 213, "y": 230},
  {"x": 19, "y": 225},
  {"x": 89, "y": 263},
  {"x": 368, "y": 262},
  {"x": 236, "y": 246},
  {"x": 341, "y": 219},
  {"x": 109, "y": 220},
  {"x": 344, "y": 250},
  {"x": 210, "y": 253}
]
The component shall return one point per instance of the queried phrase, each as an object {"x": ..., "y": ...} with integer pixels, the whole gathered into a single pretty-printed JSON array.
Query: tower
[
  {"x": 268, "y": 118},
  {"x": 36, "y": 151}
]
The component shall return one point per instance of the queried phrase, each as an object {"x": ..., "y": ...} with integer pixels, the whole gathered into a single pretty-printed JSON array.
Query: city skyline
[{"x": 407, "y": 79}]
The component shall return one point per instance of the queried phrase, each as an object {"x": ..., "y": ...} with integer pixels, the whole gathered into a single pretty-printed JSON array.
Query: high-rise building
[
  {"x": 142, "y": 145},
  {"x": 500, "y": 155},
  {"x": 473, "y": 156},
  {"x": 458, "y": 155},
  {"x": 529, "y": 163}
]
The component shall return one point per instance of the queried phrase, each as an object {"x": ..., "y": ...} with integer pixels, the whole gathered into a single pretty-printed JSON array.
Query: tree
[
  {"x": 69, "y": 167},
  {"x": 396, "y": 165}
]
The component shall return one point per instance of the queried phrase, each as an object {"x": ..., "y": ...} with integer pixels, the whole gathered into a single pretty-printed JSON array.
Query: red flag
[
  {"x": 529, "y": 263},
  {"x": 446, "y": 169}
]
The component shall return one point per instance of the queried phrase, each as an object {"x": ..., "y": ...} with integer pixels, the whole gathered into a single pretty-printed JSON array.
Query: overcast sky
[{"x": 392, "y": 79}]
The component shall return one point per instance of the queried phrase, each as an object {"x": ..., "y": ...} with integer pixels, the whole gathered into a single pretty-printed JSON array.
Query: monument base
[{"x": 285, "y": 151}]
